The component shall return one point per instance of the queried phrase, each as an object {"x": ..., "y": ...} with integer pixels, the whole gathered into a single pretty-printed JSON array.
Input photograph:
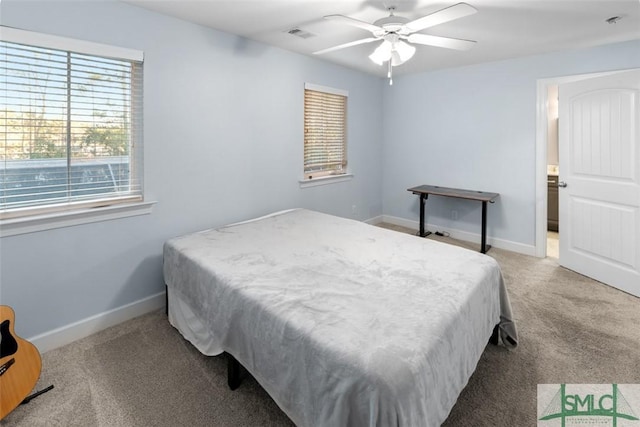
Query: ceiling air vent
[{"x": 300, "y": 33}]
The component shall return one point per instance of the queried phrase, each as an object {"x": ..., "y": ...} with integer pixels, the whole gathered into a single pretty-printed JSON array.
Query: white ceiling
[{"x": 502, "y": 28}]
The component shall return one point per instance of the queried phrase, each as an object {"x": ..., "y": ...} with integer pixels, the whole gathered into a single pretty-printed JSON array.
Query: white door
[{"x": 600, "y": 164}]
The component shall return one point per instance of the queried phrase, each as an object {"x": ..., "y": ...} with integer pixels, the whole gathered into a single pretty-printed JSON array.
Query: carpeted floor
[{"x": 142, "y": 373}]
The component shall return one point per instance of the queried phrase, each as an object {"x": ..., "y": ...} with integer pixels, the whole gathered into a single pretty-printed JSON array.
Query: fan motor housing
[{"x": 391, "y": 24}]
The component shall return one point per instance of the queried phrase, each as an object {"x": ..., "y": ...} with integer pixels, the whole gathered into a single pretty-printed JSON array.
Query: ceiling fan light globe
[
  {"x": 405, "y": 51},
  {"x": 375, "y": 59},
  {"x": 382, "y": 53},
  {"x": 395, "y": 59}
]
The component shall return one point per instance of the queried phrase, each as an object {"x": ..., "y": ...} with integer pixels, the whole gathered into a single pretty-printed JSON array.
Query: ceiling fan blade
[
  {"x": 450, "y": 13},
  {"x": 438, "y": 41},
  {"x": 356, "y": 23},
  {"x": 342, "y": 46}
]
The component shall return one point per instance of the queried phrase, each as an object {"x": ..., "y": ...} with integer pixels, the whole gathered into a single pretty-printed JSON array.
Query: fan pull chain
[{"x": 390, "y": 73}]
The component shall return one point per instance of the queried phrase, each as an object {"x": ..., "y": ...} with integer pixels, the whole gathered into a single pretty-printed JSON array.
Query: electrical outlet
[
  {"x": 454, "y": 215},
  {"x": 354, "y": 209}
]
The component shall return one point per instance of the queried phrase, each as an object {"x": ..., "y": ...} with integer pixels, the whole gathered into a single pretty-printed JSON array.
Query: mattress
[{"x": 341, "y": 322}]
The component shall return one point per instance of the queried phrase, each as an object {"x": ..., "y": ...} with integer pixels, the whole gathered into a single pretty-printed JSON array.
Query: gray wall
[
  {"x": 475, "y": 127},
  {"x": 223, "y": 142}
]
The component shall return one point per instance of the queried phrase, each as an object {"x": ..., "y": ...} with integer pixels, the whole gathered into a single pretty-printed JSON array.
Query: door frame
[{"x": 542, "y": 121}]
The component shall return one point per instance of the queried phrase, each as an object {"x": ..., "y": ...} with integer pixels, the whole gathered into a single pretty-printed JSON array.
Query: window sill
[
  {"x": 35, "y": 223},
  {"x": 324, "y": 180}
]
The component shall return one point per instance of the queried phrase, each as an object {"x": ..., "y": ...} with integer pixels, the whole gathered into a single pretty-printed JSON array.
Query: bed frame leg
[
  {"x": 233, "y": 372},
  {"x": 166, "y": 300},
  {"x": 495, "y": 335},
  {"x": 233, "y": 366}
]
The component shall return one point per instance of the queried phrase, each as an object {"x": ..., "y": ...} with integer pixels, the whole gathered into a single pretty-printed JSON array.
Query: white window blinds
[
  {"x": 70, "y": 128},
  {"x": 325, "y": 132}
]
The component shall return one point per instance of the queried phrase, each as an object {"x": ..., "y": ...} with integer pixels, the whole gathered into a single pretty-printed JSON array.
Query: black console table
[{"x": 424, "y": 190}]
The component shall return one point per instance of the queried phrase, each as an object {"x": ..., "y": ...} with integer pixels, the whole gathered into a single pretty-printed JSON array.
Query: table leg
[
  {"x": 483, "y": 244},
  {"x": 423, "y": 198}
]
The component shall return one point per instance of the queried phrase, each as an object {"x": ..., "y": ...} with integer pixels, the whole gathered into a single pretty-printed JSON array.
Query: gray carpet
[{"x": 142, "y": 373}]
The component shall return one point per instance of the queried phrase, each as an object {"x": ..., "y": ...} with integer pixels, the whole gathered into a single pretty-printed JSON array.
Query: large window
[
  {"x": 325, "y": 132},
  {"x": 70, "y": 125}
]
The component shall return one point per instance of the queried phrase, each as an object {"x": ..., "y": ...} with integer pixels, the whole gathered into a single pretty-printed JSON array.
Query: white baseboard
[
  {"x": 414, "y": 225},
  {"x": 375, "y": 220},
  {"x": 83, "y": 328},
  {"x": 466, "y": 236}
]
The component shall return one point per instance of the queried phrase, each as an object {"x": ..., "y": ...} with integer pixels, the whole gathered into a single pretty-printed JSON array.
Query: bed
[{"x": 341, "y": 322}]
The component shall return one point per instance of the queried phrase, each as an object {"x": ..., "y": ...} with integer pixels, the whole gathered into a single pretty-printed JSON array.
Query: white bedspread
[{"x": 342, "y": 323}]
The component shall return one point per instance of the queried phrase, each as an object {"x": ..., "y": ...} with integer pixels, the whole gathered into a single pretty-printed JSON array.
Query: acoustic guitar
[{"x": 20, "y": 364}]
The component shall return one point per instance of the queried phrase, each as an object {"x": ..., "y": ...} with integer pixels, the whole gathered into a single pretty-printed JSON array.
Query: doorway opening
[
  {"x": 553, "y": 244},
  {"x": 547, "y": 93},
  {"x": 553, "y": 170},
  {"x": 599, "y": 181}
]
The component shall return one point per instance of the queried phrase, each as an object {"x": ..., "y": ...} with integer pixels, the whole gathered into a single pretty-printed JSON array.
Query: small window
[
  {"x": 325, "y": 132},
  {"x": 70, "y": 125}
]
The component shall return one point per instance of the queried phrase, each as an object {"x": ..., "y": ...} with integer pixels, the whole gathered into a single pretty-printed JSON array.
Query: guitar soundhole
[{"x": 8, "y": 344}]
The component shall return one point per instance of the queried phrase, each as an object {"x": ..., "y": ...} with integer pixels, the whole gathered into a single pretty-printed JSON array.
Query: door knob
[{"x": 562, "y": 184}]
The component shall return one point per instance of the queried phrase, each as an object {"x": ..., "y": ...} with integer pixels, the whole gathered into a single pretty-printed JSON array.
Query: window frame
[
  {"x": 20, "y": 220},
  {"x": 327, "y": 176}
]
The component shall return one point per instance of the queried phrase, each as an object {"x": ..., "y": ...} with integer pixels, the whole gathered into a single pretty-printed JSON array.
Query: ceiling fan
[{"x": 397, "y": 32}]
